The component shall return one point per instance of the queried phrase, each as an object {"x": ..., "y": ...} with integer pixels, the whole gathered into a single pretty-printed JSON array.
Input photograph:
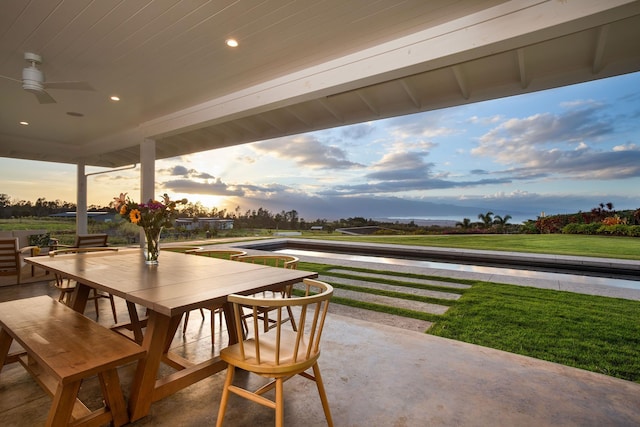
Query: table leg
[
  {"x": 232, "y": 328},
  {"x": 80, "y": 297},
  {"x": 136, "y": 326},
  {"x": 145, "y": 378}
]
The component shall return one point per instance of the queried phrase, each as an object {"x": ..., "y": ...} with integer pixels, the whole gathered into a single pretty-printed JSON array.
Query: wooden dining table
[{"x": 178, "y": 284}]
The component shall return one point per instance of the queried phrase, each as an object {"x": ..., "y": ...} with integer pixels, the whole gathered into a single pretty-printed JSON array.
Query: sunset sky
[{"x": 557, "y": 151}]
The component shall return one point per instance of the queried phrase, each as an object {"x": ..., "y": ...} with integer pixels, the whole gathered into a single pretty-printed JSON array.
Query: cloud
[
  {"x": 392, "y": 187},
  {"x": 357, "y": 132},
  {"x": 626, "y": 147},
  {"x": 421, "y": 126},
  {"x": 180, "y": 170},
  {"x": 583, "y": 164},
  {"x": 307, "y": 151},
  {"x": 400, "y": 166},
  {"x": 211, "y": 188},
  {"x": 514, "y": 139},
  {"x": 560, "y": 145},
  {"x": 486, "y": 120}
]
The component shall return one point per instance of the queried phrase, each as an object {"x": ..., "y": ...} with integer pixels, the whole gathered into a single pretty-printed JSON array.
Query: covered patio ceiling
[{"x": 300, "y": 66}]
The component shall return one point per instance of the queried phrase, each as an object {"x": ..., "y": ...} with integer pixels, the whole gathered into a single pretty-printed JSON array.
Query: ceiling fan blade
[
  {"x": 68, "y": 85},
  {"x": 43, "y": 97},
  {"x": 11, "y": 78}
]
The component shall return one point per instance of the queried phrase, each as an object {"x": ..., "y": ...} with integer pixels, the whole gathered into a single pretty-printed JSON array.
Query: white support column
[
  {"x": 147, "y": 175},
  {"x": 81, "y": 201}
]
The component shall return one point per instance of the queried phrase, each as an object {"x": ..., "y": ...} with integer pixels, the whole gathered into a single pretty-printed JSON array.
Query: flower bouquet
[{"x": 152, "y": 216}]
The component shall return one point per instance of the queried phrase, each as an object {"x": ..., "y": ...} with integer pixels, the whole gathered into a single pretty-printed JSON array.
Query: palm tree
[
  {"x": 501, "y": 221},
  {"x": 486, "y": 219},
  {"x": 465, "y": 224}
]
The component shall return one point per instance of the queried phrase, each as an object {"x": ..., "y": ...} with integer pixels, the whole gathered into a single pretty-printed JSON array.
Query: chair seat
[{"x": 268, "y": 365}]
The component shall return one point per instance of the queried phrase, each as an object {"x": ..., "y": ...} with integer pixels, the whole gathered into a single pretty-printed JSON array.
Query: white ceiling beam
[
  {"x": 410, "y": 93},
  {"x": 367, "y": 102},
  {"x": 242, "y": 124},
  {"x": 298, "y": 116},
  {"x": 522, "y": 69},
  {"x": 270, "y": 122},
  {"x": 327, "y": 106},
  {"x": 601, "y": 43},
  {"x": 462, "y": 82}
]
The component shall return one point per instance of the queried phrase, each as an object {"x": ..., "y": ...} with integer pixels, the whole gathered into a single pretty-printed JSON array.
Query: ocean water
[{"x": 516, "y": 219}]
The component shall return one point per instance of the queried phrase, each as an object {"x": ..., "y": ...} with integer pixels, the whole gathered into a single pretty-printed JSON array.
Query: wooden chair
[
  {"x": 230, "y": 254},
  {"x": 278, "y": 354},
  {"x": 11, "y": 257},
  {"x": 66, "y": 285},
  {"x": 98, "y": 240},
  {"x": 282, "y": 261}
]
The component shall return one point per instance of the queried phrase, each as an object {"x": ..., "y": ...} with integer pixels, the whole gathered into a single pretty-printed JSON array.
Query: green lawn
[
  {"x": 559, "y": 244},
  {"x": 598, "y": 334}
]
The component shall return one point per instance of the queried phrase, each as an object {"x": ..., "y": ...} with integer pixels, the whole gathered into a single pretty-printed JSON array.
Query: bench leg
[
  {"x": 114, "y": 400},
  {"x": 5, "y": 344},
  {"x": 63, "y": 402}
]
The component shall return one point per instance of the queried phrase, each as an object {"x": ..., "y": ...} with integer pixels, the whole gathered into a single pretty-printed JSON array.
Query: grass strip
[
  {"x": 393, "y": 294},
  {"x": 398, "y": 283},
  {"x": 385, "y": 309},
  {"x": 326, "y": 269}
]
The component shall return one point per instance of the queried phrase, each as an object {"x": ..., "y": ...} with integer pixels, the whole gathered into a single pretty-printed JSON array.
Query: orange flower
[
  {"x": 123, "y": 209},
  {"x": 119, "y": 201},
  {"x": 135, "y": 216}
]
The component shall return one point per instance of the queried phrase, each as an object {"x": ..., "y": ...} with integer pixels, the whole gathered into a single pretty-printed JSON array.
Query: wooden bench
[{"x": 61, "y": 348}]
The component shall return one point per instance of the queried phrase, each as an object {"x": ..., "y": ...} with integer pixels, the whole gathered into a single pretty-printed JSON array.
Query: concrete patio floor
[{"x": 375, "y": 375}]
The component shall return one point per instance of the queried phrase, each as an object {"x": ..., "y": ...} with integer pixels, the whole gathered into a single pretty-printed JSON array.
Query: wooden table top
[{"x": 179, "y": 283}]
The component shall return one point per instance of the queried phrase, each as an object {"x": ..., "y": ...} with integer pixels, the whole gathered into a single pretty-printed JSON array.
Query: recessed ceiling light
[
  {"x": 232, "y": 42},
  {"x": 23, "y": 123},
  {"x": 114, "y": 98}
]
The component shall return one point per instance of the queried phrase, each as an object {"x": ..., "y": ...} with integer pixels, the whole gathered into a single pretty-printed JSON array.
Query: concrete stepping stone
[
  {"x": 392, "y": 288},
  {"x": 402, "y": 322},
  {"x": 403, "y": 279},
  {"x": 419, "y": 306}
]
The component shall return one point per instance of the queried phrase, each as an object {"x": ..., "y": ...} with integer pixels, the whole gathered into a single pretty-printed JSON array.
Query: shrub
[{"x": 574, "y": 228}]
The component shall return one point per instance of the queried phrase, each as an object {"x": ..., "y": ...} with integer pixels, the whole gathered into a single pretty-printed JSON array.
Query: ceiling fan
[{"x": 33, "y": 80}]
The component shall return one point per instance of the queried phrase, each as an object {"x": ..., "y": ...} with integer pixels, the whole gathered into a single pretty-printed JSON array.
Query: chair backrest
[
  {"x": 280, "y": 347},
  {"x": 67, "y": 251},
  {"x": 283, "y": 261},
  {"x": 91, "y": 240},
  {"x": 231, "y": 254},
  {"x": 9, "y": 257}
]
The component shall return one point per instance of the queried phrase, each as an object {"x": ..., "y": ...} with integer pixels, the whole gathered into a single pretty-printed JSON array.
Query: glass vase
[{"x": 152, "y": 245}]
